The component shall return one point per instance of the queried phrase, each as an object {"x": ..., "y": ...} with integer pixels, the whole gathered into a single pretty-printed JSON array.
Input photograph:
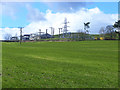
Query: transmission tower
[{"x": 65, "y": 27}]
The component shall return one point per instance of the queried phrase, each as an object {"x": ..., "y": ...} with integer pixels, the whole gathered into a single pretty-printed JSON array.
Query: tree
[
  {"x": 109, "y": 32},
  {"x": 117, "y": 26},
  {"x": 86, "y": 26},
  {"x": 7, "y": 36},
  {"x": 102, "y": 31}
]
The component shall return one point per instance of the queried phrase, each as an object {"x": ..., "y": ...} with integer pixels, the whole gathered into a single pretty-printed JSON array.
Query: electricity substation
[{"x": 64, "y": 34}]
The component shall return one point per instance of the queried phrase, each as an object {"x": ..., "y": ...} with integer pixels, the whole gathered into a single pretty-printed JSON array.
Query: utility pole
[
  {"x": 51, "y": 32},
  {"x": 21, "y": 34},
  {"x": 60, "y": 29},
  {"x": 51, "y": 29},
  {"x": 46, "y": 33},
  {"x": 39, "y": 33}
]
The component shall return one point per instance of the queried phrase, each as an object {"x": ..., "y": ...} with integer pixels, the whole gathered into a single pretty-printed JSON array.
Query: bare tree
[
  {"x": 102, "y": 31},
  {"x": 7, "y": 36}
]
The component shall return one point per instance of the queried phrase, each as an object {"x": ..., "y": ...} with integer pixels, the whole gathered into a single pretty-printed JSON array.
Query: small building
[
  {"x": 33, "y": 37},
  {"x": 45, "y": 36},
  {"x": 26, "y": 37},
  {"x": 14, "y": 38}
]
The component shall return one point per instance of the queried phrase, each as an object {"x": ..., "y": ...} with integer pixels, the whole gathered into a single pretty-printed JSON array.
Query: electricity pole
[
  {"x": 60, "y": 29},
  {"x": 21, "y": 34},
  {"x": 51, "y": 32},
  {"x": 39, "y": 33},
  {"x": 51, "y": 29},
  {"x": 46, "y": 33}
]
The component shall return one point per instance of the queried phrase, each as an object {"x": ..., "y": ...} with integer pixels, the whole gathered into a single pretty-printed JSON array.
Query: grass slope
[{"x": 84, "y": 64}]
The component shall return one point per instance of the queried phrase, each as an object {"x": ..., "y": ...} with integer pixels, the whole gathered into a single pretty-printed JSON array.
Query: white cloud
[
  {"x": 5, "y": 31},
  {"x": 8, "y": 9},
  {"x": 34, "y": 14},
  {"x": 1, "y": 35},
  {"x": 67, "y": 7},
  {"x": 97, "y": 18}
]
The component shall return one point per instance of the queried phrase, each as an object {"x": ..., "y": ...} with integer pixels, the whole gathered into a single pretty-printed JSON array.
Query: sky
[{"x": 42, "y": 15}]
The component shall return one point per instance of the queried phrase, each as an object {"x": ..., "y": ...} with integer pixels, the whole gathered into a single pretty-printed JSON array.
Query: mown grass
[{"x": 83, "y": 64}]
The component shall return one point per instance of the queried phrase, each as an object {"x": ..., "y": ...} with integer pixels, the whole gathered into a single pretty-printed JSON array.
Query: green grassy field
[{"x": 83, "y": 64}]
